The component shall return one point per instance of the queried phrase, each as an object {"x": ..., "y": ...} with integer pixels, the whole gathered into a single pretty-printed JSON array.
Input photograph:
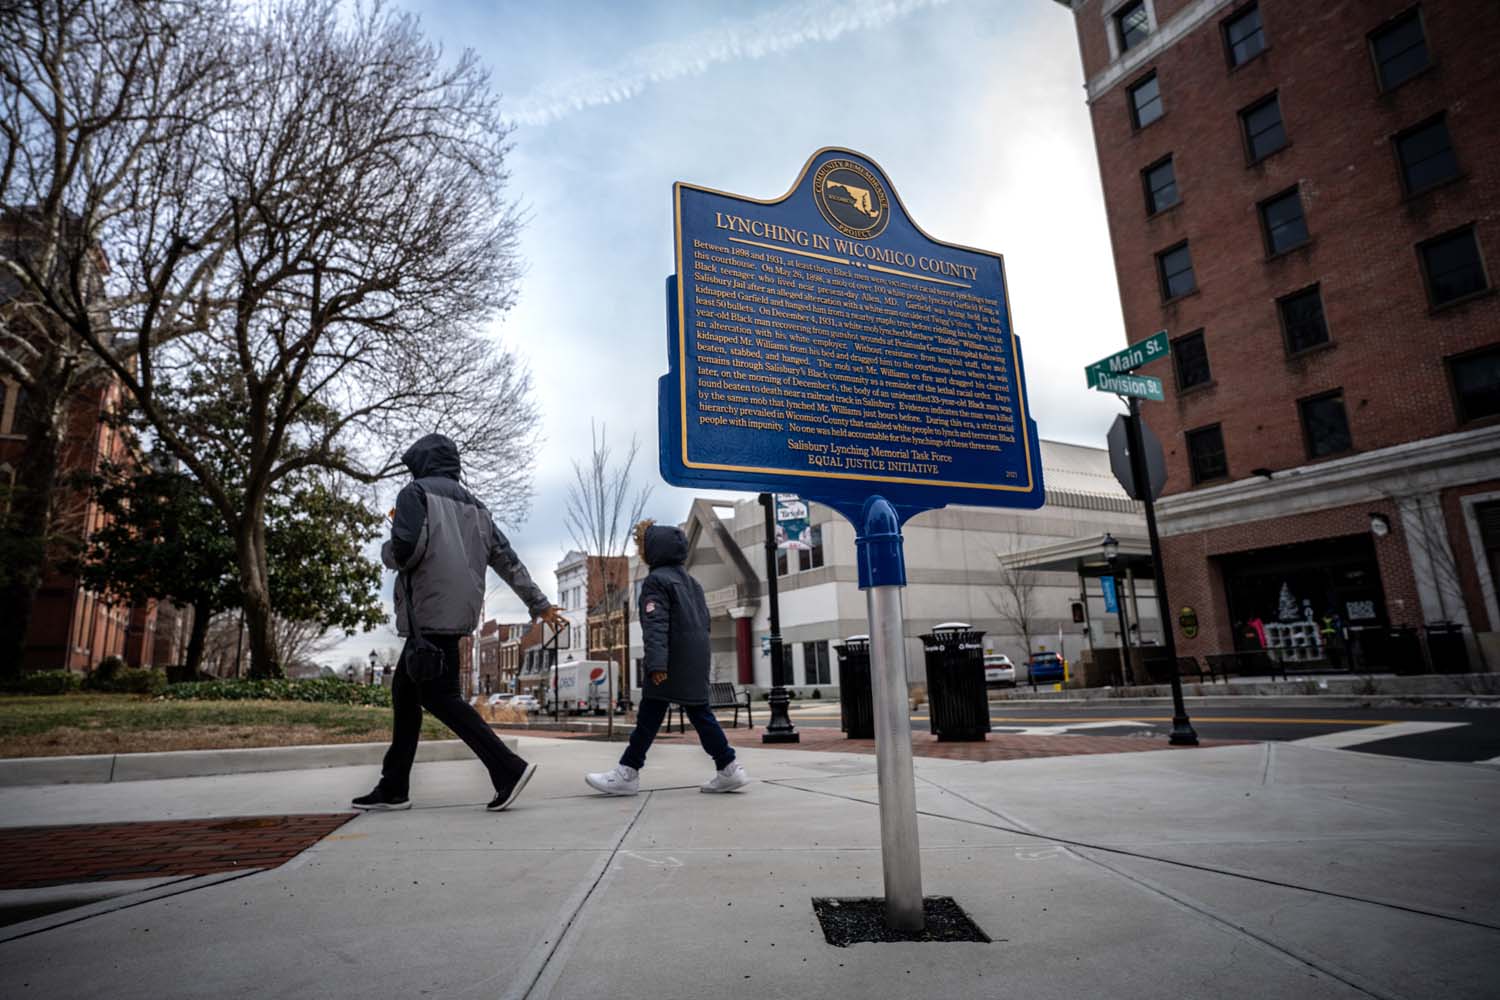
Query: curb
[{"x": 104, "y": 768}]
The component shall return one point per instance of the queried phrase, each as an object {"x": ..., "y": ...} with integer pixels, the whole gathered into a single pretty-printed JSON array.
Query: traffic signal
[{"x": 1078, "y": 612}]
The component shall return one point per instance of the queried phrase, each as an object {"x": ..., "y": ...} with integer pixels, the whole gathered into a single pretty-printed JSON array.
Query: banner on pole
[{"x": 792, "y": 528}]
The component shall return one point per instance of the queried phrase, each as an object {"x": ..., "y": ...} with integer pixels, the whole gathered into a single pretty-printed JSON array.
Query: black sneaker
[
  {"x": 381, "y": 800},
  {"x": 502, "y": 800}
]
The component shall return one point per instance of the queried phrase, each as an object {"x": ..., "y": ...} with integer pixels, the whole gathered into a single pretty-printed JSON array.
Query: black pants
[
  {"x": 648, "y": 720},
  {"x": 441, "y": 697}
]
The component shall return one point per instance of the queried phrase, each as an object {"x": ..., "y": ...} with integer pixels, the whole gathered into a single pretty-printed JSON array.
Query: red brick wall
[
  {"x": 1193, "y": 577},
  {"x": 1388, "y": 345}
]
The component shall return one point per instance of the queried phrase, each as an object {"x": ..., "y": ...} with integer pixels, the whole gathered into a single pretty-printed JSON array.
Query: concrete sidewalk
[{"x": 1248, "y": 871}]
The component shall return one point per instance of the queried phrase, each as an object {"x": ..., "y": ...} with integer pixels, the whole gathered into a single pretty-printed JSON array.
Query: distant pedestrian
[
  {"x": 674, "y": 628},
  {"x": 442, "y": 538}
]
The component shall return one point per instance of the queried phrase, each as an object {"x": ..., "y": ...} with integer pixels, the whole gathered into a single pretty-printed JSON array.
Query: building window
[
  {"x": 1132, "y": 24},
  {"x": 782, "y": 569},
  {"x": 1426, "y": 155},
  {"x": 1302, "y": 320},
  {"x": 1400, "y": 50},
  {"x": 1264, "y": 132},
  {"x": 815, "y": 668},
  {"x": 1161, "y": 186},
  {"x": 1190, "y": 355},
  {"x": 812, "y": 558},
  {"x": 1325, "y": 425},
  {"x": 1452, "y": 266},
  {"x": 4, "y": 397},
  {"x": 1175, "y": 268},
  {"x": 1244, "y": 36},
  {"x": 1476, "y": 384},
  {"x": 1145, "y": 102},
  {"x": 1206, "y": 454},
  {"x": 1281, "y": 218}
]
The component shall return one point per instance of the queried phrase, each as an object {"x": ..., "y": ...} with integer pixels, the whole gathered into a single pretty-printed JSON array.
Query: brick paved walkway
[{"x": 36, "y": 856}]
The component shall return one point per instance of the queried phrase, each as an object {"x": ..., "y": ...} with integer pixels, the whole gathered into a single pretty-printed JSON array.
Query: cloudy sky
[{"x": 974, "y": 109}]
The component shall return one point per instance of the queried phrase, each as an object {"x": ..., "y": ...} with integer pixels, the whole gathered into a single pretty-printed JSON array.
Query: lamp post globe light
[{"x": 1111, "y": 548}]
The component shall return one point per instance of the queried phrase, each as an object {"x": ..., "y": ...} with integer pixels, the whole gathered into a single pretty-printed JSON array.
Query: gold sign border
[{"x": 1015, "y": 354}]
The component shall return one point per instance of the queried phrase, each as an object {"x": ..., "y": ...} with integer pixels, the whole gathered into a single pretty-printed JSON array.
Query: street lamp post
[
  {"x": 373, "y": 659},
  {"x": 780, "y": 728}
]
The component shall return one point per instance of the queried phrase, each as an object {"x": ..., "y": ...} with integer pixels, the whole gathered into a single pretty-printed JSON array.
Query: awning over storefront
[{"x": 1084, "y": 556}]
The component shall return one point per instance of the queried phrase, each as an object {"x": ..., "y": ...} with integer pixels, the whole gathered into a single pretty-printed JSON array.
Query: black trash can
[
  {"x": 856, "y": 701},
  {"x": 1369, "y": 648},
  {"x": 958, "y": 701},
  {"x": 1404, "y": 649},
  {"x": 1446, "y": 646}
]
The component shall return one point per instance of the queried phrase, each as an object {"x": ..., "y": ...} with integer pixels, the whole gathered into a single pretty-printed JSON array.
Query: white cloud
[{"x": 779, "y": 30}]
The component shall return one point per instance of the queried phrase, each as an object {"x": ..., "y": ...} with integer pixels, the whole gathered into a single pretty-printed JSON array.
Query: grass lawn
[{"x": 42, "y": 726}]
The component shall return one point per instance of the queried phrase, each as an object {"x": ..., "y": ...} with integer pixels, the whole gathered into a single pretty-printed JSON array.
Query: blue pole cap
[{"x": 878, "y": 541}]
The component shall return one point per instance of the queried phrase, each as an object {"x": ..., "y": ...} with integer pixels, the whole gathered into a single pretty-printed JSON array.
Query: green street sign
[
  {"x": 1128, "y": 384},
  {"x": 1142, "y": 352}
]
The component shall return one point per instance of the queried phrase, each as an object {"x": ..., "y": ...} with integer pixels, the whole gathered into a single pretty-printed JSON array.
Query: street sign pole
[
  {"x": 1182, "y": 729},
  {"x": 882, "y": 575}
]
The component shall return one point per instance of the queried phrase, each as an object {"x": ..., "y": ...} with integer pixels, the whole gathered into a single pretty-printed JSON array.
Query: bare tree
[
  {"x": 1422, "y": 517},
  {"x": 97, "y": 97},
  {"x": 322, "y": 206},
  {"x": 1015, "y": 598},
  {"x": 298, "y": 643},
  {"x": 603, "y": 508},
  {"x": 603, "y": 505}
]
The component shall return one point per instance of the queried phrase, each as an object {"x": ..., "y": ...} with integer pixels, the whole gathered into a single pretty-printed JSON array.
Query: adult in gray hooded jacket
[{"x": 442, "y": 539}]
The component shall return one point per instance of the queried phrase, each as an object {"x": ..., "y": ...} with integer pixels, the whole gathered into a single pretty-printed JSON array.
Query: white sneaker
[
  {"x": 621, "y": 781},
  {"x": 731, "y": 779}
]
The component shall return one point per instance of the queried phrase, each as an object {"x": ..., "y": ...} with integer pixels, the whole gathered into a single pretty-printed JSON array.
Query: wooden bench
[{"x": 720, "y": 695}]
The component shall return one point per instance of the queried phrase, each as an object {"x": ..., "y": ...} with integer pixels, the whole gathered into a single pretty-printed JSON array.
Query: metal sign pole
[
  {"x": 1183, "y": 733},
  {"x": 882, "y": 575}
]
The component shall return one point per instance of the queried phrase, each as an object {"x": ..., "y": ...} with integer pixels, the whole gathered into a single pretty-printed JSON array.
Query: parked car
[
  {"x": 526, "y": 703},
  {"x": 999, "y": 671},
  {"x": 1044, "y": 668},
  {"x": 499, "y": 698}
]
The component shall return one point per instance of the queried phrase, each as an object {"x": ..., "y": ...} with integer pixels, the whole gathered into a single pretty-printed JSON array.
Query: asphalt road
[{"x": 1449, "y": 734}]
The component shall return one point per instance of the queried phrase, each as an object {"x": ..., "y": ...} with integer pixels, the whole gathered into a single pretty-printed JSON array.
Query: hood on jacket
[
  {"x": 665, "y": 546},
  {"x": 432, "y": 455}
]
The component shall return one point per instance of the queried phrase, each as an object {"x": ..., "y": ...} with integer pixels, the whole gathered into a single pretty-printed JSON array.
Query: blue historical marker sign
[{"x": 822, "y": 344}]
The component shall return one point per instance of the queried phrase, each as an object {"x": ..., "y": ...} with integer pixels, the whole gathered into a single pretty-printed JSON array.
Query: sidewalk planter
[
  {"x": 856, "y": 703},
  {"x": 959, "y": 707}
]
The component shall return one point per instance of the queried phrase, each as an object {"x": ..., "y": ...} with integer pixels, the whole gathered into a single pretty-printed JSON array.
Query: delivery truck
[{"x": 580, "y": 687}]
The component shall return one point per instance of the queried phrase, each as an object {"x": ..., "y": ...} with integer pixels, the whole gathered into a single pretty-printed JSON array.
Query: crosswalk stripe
[{"x": 1356, "y": 737}]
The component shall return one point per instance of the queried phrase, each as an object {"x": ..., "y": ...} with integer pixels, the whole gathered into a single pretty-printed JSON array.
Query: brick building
[
  {"x": 72, "y": 627},
  {"x": 487, "y": 657},
  {"x": 1307, "y": 197}
]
